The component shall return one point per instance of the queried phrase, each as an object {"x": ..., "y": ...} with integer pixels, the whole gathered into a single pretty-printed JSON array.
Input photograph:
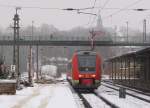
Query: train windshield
[{"x": 87, "y": 63}]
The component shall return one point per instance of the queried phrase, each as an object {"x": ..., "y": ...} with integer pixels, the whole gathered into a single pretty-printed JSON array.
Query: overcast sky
[{"x": 65, "y": 20}]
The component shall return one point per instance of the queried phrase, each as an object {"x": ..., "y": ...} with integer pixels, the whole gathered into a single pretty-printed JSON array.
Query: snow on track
[
  {"x": 128, "y": 102},
  {"x": 130, "y": 92},
  {"x": 95, "y": 102}
]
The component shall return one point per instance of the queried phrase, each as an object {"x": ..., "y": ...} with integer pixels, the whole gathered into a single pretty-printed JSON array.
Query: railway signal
[{"x": 16, "y": 48}]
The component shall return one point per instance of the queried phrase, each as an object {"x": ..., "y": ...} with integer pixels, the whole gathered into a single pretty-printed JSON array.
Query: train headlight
[
  {"x": 80, "y": 76},
  {"x": 93, "y": 76}
]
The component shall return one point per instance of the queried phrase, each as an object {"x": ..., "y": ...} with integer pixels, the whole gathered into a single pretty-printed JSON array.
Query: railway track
[
  {"x": 131, "y": 89},
  {"x": 146, "y": 99},
  {"x": 84, "y": 100},
  {"x": 99, "y": 99},
  {"x": 106, "y": 101}
]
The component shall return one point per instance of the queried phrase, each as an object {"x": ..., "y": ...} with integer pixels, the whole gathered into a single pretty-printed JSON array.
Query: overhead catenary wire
[
  {"x": 14, "y": 6},
  {"x": 122, "y": 9},
  {"x": 91, "y": 12},
  {"x": 78, "y": 10},
  {"x": 46, "y": 8},
  {"x": 104, "y": 5},
  {"x": 128, "y": 7},
  {"x": 99, "y": 11},
  {"x": 87, "y": 8},
  {"x": 115, "y": 8},
  {"x": 94, "y": 3}
]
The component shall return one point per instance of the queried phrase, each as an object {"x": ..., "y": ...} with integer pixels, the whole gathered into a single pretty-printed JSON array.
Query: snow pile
[
  {"x": 7, "y": 81},
  {"x": 62, "y": 77},
  {"x": 49, "y": 71}
]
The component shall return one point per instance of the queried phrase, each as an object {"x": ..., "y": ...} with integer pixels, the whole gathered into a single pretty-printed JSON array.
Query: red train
[{"x": 84, "y": 70}]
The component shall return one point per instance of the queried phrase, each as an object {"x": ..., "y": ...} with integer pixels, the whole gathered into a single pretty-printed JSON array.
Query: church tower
[{"x": 99, "y": 22}]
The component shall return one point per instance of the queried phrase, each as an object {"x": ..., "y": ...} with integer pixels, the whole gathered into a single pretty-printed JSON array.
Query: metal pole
[
  {"x": 125, "y": 59},
  {"x": 112, "y": 69},
  {"x": 30, "y": 60},
  {"x": 41, "y": 62},
  {"x": 129, "y": 69},
  {"x": 37, "y": 68},
  {"x": 127, "y": 31},
  {"x": 121, "y": 69},
  {"x": 32, "y": 29},
  {"x": 115, "y": 67},
  {"x": 144, "y": 30},
  {"x": 16, "y": 49},
  {"x": 29, "y": 73},
  {"x": 118, "y": 69},
  {"x": 134, "y": 71},
  {"x": 115, "y": 33}
]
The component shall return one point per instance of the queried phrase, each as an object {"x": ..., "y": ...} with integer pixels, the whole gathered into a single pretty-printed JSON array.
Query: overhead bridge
[
  {"x": 68, "y": 43},
  {"x": 72, "y": 41}
]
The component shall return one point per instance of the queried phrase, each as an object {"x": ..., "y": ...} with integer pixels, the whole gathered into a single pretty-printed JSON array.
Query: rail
[
  {"x": 130, "y": 94},
  {"x": 106, "y": 101}
]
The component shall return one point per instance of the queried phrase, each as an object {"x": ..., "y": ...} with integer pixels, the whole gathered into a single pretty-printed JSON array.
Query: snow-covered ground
[
  {"x": 40, "y": 96},
  {"x": 130, "y": 92},
  {"x": 59, "y": 95}
]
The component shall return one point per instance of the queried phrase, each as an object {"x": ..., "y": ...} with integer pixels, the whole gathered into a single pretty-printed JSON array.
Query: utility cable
[
  {"x": 122, "y": 9},
  {"x": 91, "y": 12},
  {"x": 99, "y": 11}
]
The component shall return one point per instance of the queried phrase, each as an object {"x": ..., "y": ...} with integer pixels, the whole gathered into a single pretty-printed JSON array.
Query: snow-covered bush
[{"x": 49, "y": 71}]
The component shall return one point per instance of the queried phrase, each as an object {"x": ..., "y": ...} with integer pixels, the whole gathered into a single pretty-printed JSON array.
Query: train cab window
[{"x": 87, "y": 63}]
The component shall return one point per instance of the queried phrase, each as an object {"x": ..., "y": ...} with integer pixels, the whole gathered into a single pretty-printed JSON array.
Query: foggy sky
[{"x": 65, "y": 20}]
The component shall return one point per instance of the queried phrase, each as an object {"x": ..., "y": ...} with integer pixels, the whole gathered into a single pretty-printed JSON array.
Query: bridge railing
[{"x": 120, "y": 39}]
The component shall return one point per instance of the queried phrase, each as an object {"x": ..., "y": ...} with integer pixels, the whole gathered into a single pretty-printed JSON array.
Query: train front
[{"x": 88, "y": 70}]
